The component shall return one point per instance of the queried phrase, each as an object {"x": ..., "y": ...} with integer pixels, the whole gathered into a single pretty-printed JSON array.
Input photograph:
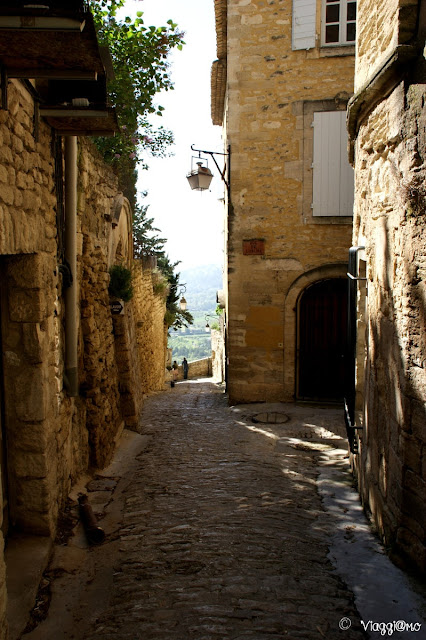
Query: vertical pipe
[{"x": 70, "y": 241}]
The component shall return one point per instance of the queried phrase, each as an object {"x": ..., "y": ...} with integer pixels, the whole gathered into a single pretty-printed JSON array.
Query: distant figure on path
[
  {"x": 185, "y": 369},
  {"x": 175, "y": 371}
]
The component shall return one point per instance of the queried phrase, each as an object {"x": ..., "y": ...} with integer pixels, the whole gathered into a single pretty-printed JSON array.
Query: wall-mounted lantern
[
  {"x": 200, "y": 178},
  {"x": 207, "y": 327},
  {"x": 182, "y": 301}
]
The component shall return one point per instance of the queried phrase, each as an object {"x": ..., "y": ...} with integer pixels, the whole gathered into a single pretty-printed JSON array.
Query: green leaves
[
  {"x": 175, "y": 317},
  {"x": 145, "y": 240},
  {"x": 120, "y": 285},
  {"x": 141, "y": 69}
]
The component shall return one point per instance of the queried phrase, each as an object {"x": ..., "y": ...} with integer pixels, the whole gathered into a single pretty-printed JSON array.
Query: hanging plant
[{"x": 120, "y": 285}]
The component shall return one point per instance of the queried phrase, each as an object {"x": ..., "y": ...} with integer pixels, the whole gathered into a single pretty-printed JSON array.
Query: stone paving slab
[{"x": 217, "y": 530}]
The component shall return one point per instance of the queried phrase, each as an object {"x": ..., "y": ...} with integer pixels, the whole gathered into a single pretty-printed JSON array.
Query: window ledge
[
  {"x": 334, "y": 220},
  {"x": 329, "y": 51}
]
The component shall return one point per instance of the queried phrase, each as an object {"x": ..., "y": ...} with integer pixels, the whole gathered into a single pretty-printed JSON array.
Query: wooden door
[
  {"x": 3, "y": 457},
  {"x": 322, "y": 340}
]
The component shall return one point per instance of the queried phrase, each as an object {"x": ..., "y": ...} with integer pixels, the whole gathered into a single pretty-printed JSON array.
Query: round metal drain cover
[{"x": 271, "y": 417}]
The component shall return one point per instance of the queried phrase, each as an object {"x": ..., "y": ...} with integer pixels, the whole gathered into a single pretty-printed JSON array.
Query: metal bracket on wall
[
  {"x": 225, "y": 172},
  {"x": 350, "y": 391},
  {"x": 355, "y": 277},
  {"x": 351, "y": 430}
]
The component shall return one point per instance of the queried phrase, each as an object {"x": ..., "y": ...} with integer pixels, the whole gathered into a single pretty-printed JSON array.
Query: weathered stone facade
[
  {"x": 49, "y": 438},
  {"x": 387, "y": 130},
  {"x": 218, "y": 355},
  {"x": 276, "y": 248}
]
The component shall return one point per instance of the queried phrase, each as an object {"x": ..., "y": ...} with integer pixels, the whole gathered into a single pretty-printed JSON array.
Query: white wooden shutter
[
  {"x": 303, "y": 32},
  {"x": 333, "y": 176}
]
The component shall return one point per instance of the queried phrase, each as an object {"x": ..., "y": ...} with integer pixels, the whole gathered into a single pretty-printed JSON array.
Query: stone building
[
  {"x": 72, "y": 375},
  {"x": 387, "y": 401},
  {"x": 280, "y": 88}
]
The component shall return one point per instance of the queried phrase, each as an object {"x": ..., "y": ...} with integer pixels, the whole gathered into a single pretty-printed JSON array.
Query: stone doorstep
[{"x": 26, "y": 558}]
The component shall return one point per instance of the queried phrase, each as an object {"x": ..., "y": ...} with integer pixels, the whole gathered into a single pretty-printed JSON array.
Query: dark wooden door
[
  {"x": 3, "y": 457},
  {"x": 322, "y": 340}
]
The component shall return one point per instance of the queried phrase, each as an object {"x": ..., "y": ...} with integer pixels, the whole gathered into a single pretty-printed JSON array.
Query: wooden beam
[
  {"x": 65, "y": 112},
  {"x": 101, "y": 133},
  {"x": 41, "y": 23},
  {"x": 52, "y": 74}
]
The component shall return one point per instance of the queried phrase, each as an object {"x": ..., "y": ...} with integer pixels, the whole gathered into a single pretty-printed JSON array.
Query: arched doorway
[{"x": 321, "y": 343}]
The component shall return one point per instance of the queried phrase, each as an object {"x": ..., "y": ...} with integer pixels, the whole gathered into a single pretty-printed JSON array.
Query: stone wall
[
  {"x": 49, "y": 439},
  {"x": 196, "y": 369},
  {"x": 390, "y": 153},
  {"x": 272, "y": 94},
  {"x": 381, "y": 26},
  {"x": 150, "y": 301},
  {"x": 38, "y": 417},
  {"x": 40, "y": 424},
  {"x": 141, "y": 343},
  {"x": 218, "y": 353}
]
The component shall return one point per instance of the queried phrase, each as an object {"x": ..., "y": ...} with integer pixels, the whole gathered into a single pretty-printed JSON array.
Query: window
[
  {"x": 333, "y": 176},
  {"x": 338, "y": 22}
]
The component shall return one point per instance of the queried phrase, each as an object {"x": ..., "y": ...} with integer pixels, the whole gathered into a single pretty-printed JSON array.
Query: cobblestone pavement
[{"x": 222, "y": 534}]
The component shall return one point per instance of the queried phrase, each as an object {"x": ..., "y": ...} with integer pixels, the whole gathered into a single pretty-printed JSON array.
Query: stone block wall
[
  {"x": 196, "y": 369},
  {"x": 99, "y": 384},
  {"x": 38, "y": 423},
  {"x": 140, "y": 343},
  {"x": 151, "y": 332},
  {"x": 48, "y": 438},
  {"x": 38, "y": 429},
  {"x": 272, "y": 94},
  {"x": 218, "y": 353},
  {"x": 381, "y": 26},
  {"x": 390, "y": 155}
]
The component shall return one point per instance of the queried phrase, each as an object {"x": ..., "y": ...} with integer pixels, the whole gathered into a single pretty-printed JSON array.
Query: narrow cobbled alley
[{"x": 216, "y": 528}]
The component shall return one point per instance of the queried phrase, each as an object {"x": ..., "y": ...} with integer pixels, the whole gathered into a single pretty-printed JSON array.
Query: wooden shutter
[
  {"x": 303, "y": 32},
  {"x": 333, "y": 176}
]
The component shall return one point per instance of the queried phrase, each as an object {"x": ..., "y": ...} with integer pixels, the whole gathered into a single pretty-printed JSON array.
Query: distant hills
[{"x": 202, "y": 283}]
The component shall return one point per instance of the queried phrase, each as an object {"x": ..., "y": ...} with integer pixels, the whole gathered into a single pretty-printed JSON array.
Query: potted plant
[{"x": 120, "y": 284}]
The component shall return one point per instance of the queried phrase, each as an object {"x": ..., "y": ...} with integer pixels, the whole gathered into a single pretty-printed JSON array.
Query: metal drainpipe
[{"x": 71, "y": 361}]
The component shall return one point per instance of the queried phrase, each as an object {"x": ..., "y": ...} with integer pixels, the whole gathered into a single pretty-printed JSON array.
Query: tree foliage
[
  {"x": 120, "y": 285},
  {"x": 175, "y": 317},
  {"x": 141, "y": 68},
  {"x": 146, "y": 241},
  {"x": 140, "y": 58}
]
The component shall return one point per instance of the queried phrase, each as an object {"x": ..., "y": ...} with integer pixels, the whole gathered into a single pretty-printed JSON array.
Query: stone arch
[
  {"x": 338, "y": 270},
  {"x": 120, "y": 249}
]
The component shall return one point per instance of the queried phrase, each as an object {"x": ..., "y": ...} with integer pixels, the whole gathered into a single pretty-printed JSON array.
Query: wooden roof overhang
[
  {"x": 57, "y": 48},
  {"x": 219, "y": 67},
  {"x": 83, "y": 122}
]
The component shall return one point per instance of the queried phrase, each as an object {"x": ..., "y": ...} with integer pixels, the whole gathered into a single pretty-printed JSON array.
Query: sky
[{"x": 192, "y": 221}]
